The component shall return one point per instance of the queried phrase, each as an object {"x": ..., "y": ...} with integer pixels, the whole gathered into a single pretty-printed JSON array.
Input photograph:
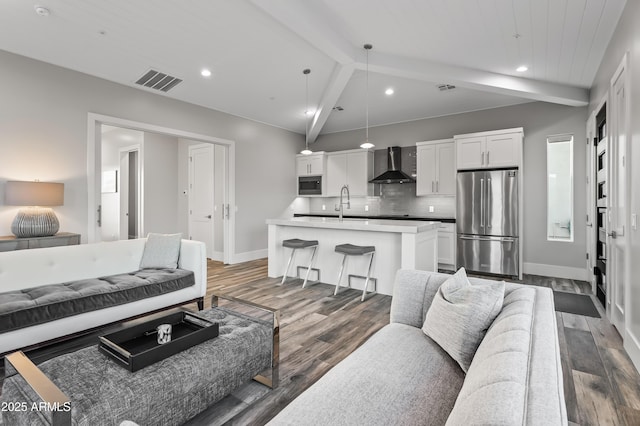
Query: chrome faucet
[{"x": 340, "y": 207}]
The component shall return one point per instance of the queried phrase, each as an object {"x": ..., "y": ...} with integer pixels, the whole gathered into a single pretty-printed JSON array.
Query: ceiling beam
[
  {"x": 337, "y": 83},
  {"x": 313, "y": 23},
  {"x": 434, "y": 72}
]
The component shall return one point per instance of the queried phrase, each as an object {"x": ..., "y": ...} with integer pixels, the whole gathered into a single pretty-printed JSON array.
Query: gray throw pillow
[
  {"x": 460, "y": 315},
  {"x": 161, "y": 251}
]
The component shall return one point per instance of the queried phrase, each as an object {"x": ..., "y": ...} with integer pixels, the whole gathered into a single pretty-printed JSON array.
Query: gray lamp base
[{"x": 35, "y": 222}]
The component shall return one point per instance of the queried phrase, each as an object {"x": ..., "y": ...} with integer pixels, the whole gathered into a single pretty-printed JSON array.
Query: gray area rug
[
  {"x": 231, "y": 405},
  {"x": 572, "y": 303}
]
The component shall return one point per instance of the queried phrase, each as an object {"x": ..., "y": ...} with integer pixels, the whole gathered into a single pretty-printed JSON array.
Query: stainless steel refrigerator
[{"x": 487, "y": 221}]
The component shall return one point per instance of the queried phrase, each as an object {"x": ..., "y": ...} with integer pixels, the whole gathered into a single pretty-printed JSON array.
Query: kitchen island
[{"x": 400, "y": 244}]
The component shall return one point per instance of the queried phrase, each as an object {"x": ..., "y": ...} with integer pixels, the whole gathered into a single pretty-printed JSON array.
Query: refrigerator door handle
[
  {"x": 501, "y": 239},
  {"x": 488, "y": 201},
  {"x": 482, "y": 203}
]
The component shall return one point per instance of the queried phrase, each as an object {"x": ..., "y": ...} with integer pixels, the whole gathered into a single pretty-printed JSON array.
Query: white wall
[
  {"x": 627, "y": 39},
  {"x": 160, "y": 183},
  {"x": 43, "y": 135},
  {"x": 539, "y": 120}
]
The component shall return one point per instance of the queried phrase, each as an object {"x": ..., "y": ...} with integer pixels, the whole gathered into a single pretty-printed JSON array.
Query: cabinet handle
[
  {"x": 437, "y": 186},
  {"x": 488, "y": 157},
  {"x": 432, "y": 190},
  {"x": 482, "y": 159}
]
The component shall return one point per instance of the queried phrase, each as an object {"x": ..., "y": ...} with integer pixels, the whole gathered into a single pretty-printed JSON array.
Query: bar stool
[
  {"x": 295, "y": 244},
  {"x": 353, "y": 250}
]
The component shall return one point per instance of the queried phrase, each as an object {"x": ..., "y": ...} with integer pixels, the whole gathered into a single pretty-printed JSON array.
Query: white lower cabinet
[{"x": 446, "y": 246}]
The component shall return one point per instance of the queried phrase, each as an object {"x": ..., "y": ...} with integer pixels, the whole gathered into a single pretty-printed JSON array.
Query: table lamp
[{"x": 36, "y": 218}]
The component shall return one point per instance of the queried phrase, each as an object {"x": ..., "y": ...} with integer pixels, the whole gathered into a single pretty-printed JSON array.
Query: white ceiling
[{"x": 257, "y": 50}]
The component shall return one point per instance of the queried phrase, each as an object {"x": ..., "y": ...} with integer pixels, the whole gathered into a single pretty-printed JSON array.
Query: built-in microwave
[{"x": 310, "y": 185}]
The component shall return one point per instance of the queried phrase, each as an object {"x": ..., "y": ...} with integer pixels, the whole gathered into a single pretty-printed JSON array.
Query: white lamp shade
[{"x": 43, "y": 194}]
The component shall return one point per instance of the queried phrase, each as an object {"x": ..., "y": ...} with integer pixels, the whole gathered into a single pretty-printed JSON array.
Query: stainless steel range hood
[{"x": 394, "y": 173}]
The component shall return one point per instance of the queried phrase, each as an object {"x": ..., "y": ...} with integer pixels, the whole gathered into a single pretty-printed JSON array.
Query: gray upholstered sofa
[
  {"x": 401, "y": 376},
  {"x": 49, "y": 293}
]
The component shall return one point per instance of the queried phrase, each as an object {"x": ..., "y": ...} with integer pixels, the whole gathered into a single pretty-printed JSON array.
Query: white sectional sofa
[{"x": 28, "y": 269}]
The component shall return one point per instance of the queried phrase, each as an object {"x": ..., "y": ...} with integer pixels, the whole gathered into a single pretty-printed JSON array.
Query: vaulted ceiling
[{"x": 257, "y": 49}]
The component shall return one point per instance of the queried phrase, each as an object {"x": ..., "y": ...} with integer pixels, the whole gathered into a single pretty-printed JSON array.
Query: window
[{"x": 560, "y": 188}]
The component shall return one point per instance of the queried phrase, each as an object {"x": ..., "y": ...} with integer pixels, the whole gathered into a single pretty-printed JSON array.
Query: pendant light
[
  {"x": 306, "y": 150},
  {"x": 366, "y": 144}
]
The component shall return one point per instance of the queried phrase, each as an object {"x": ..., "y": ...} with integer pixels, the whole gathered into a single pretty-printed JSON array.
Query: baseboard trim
[
  {"x": 218, "y": 256},
  {"x": 249, "y": 255},
  {"x": 632, "y": 346},
  {"x": 555, "y": 271}
]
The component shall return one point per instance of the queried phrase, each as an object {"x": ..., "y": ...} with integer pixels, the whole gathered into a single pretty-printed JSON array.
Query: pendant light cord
[
  {"x": 366, "y": 138},
  {"x": 306, "y": 72}
]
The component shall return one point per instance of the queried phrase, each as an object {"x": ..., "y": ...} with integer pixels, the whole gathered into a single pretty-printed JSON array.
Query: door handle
[
  {"x": 613, "y": 235},
  {"x": 482, "y": 203},
  {"x": 500, "y": 240},
  {"x": 488, "y": 199}
]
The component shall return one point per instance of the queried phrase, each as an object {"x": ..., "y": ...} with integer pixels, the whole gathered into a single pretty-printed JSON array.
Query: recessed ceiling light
[
  {"x": 310, "y": 112},
  {"x": 522, "y": 68},
  {"x": 389, "y": 91},
  {"x": 205, "y": 73},
  {"x": 42, "y": 11}
]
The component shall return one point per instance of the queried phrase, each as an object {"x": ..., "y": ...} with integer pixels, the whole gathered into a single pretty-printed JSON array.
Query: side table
[{"x": 10, "y": 243}]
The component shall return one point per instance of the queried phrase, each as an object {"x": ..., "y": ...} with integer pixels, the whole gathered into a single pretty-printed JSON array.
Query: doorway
[
  {"x": 130, "y": 193},
  {"x": 94, "y": 176},
  {"x": 121, "y": 204}
]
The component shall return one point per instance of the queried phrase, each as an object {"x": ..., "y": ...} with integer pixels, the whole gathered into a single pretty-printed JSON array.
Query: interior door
[
  {"x": 591, "y": 202},
  {"x": 201, "y": 195},
  {"x": 617, "y": 235}
]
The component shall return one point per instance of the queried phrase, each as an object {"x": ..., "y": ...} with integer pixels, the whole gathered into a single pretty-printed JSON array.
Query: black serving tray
[{"x": 136, "y": 347}]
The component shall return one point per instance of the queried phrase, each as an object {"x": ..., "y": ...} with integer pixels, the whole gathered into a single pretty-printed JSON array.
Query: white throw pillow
[
  {"x": 460, "y": 315},
  {"x": 161, "y": 251}
]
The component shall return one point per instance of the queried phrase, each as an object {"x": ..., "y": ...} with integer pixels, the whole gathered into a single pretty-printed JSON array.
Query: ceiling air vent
[
  {"x": 445, "y": 87},
  {"x": 338, "y": 108},
  {"x": 159, "y": 81}
]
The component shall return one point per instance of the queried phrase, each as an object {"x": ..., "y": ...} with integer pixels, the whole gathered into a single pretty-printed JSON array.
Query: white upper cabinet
[
  {"x": 353, "y": 168},
  {"x": 310, "y": 165},
  {"x": 489, "y": 150},
  {"x": 436, "y": 168}
]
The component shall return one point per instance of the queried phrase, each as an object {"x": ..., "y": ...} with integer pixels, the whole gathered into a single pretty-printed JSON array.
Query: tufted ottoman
[{"x": 169, "y": 392}]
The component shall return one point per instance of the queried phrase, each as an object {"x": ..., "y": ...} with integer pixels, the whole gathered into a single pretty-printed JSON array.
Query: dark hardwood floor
[{"x": 602, "y": 387}]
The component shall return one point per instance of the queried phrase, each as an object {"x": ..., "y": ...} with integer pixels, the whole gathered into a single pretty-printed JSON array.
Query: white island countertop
[
  {"x": 373, "y": 225},
  {"x": 405, "y": 244}
]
